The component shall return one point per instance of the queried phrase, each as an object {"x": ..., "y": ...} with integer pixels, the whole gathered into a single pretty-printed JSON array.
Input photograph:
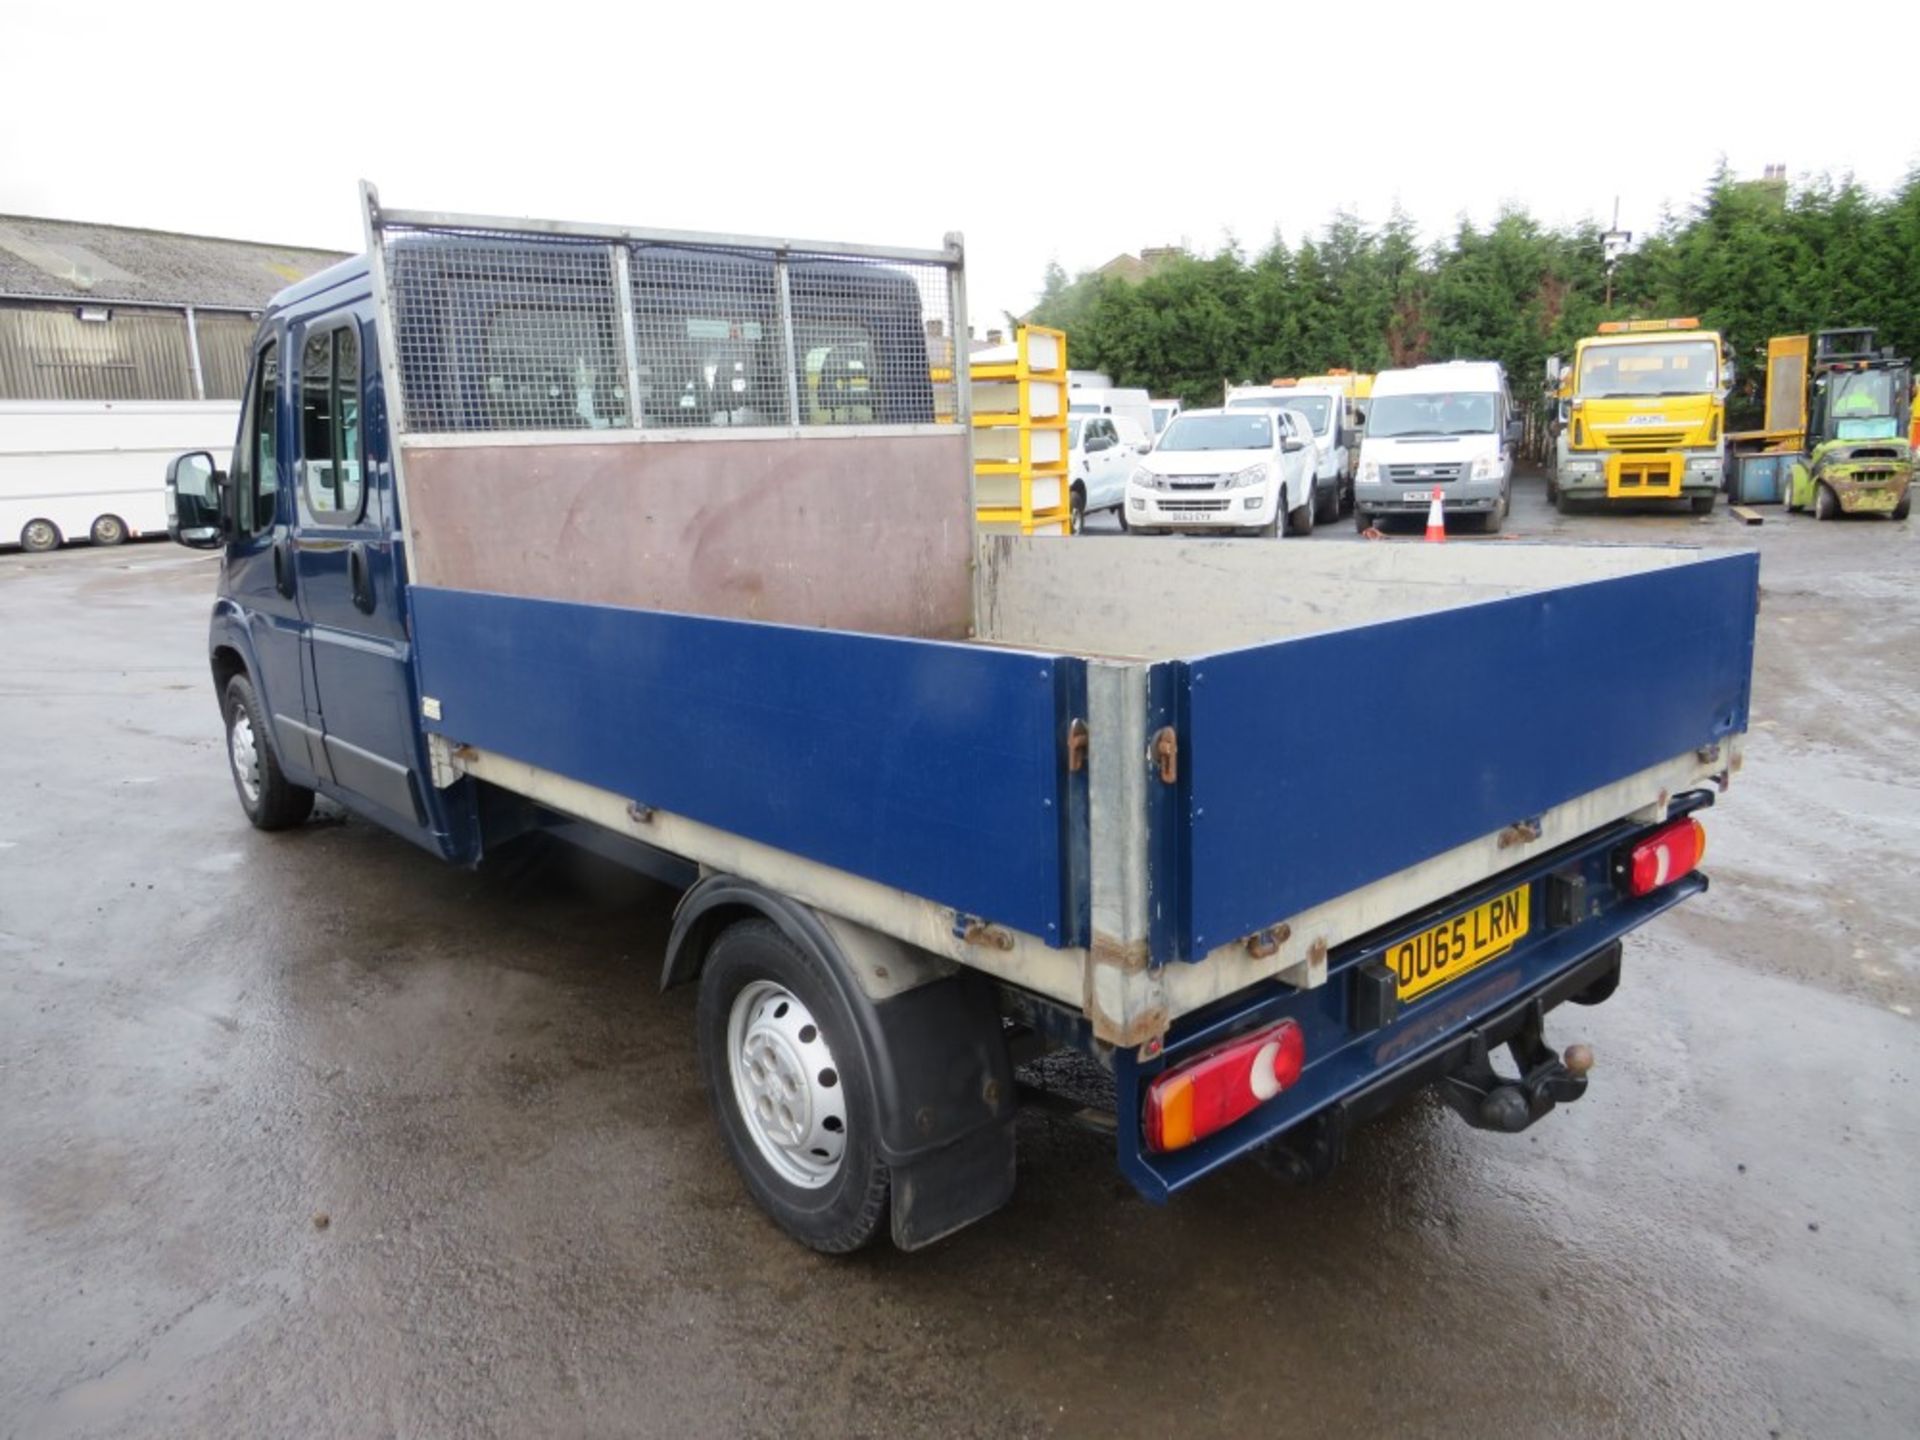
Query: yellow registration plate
[{"x": 1450, "y": 949}]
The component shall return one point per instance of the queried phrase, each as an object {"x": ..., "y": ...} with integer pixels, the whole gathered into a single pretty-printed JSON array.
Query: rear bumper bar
[{"x": 1364, "y": 1054}]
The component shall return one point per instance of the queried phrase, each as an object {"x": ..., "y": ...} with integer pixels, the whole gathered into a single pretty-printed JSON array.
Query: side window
[
  {"x": 838, "y": 372},
  {"x": 256, "y": 476},
  {"x": 331, "y": 486}
]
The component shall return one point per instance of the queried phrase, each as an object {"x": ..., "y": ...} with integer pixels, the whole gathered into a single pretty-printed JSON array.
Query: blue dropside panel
[
  {"x": 1434, "y": 730},
  {"x": 933, "y": 767}
]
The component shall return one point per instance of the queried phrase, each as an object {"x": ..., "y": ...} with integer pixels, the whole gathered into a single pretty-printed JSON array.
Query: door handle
[
  {"x": 283, "y": 567},
  {"x": 360, "y": 575}
]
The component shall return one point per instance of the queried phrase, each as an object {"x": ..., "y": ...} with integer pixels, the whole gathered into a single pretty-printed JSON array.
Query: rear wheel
[
  {"x": 790, "y": 1088},
  {"x": 108, "y": 530},
  {"x": 272, "y": 801},
  {"x": 1703, "y": 504},
  {"x": 1826, "y": 504},
  {"x": 39, "y": 536}
]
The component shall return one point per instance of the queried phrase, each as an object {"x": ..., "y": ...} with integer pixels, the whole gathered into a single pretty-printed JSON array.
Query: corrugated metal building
[{"x": 102, "y": 312}]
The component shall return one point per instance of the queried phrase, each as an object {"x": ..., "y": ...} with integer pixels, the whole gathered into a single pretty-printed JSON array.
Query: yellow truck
[{"x": 1646, "y": 417}]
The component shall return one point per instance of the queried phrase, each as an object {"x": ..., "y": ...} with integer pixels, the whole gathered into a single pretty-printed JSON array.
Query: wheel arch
[{"x": 929, "y": 1031}]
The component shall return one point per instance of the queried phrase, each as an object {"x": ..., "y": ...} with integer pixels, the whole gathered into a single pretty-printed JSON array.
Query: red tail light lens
[
  {"x": 1664, "y": 856},
  {"x": 1192, "y": 1101}
]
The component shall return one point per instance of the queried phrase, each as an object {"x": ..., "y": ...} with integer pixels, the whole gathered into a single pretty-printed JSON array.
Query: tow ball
[{"x": 1488, "y": 1100}]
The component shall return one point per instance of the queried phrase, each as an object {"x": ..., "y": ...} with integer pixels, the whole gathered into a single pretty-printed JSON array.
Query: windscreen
[
  {"x": 1469, "y": 412},
  {"x": 1651, "y": 367},
  {"x": 1217, "y": 432},
  {"x": 1073, "y": 432}
]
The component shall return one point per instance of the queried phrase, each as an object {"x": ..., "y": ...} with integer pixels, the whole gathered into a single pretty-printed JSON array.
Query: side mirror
[
  {"x": 193, "y": 501},
  {"x": 1143, "y": 446},
  {"x": 1516, "y": 431},
  {"x": 1292, "y": 444}
]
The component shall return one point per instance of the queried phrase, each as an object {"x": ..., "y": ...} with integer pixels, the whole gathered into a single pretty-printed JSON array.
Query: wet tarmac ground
[{"x": 311, "y": 1135}]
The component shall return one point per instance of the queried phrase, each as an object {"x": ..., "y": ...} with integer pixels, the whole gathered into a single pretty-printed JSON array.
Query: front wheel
[
  {"x": 1300, "y": 518},
  {"x": 1493, "y": 519},
  {"x": 1826, "y": 504},
  {"x": 1362, "y": 521},
  {"x": 790, "y": 1088},
  {"x": 39, "y": 536},
  {"x": 1563, "y": 502},
  {"x": 1326, "y": 505},
  {"x": 108, "y": 530},
  {"x": 1077, "y": 511},
  {"x": 1120, "y": 512},
  {"x": 1901, "y": 511},
  {"x": 1703, "y": 504},
  {"x": 272, "y": 801}
]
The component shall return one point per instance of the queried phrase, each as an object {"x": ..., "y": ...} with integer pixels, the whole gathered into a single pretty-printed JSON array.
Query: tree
[{"x": 1748, "y": 260}]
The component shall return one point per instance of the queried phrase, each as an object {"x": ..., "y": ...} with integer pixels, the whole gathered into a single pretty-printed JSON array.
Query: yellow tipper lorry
[{"x": 1647, "y": 418}]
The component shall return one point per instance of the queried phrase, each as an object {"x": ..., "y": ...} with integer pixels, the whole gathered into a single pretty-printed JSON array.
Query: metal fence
[{"x": 503, "y": 326}]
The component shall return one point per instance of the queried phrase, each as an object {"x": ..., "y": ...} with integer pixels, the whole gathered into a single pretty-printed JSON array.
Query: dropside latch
[
  {"x": 1076, "y": 747},
  {"x": 1166, "y": 754}
]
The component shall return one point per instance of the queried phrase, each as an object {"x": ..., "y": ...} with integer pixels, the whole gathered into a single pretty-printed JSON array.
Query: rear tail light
[
  {"x": 1192, "y": 1101},
  {"x": 1664, "y": 856}
]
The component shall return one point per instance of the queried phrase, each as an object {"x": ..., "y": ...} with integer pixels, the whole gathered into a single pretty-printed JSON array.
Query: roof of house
[{"x": 78, "y": 260}]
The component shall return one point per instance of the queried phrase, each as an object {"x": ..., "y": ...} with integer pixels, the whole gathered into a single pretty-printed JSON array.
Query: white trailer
[{"x": 96, "y": 469}]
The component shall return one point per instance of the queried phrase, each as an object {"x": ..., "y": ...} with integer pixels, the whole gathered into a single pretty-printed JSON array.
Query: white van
[
  {"x": 1449, "y": 427},
  {"x": 1135, "y": 405},
  {"x": 1328, "y": 414}
]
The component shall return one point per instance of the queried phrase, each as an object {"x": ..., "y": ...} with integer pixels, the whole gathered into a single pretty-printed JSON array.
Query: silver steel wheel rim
[
  {"x": 786, "y": 1085},
  {"x": 107, "y": 531},
  {"x": 244, "y": 751},
  {"x": 40, "y": 533}
]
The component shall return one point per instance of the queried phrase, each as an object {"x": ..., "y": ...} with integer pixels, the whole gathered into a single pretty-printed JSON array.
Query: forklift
[{"x": 1836, "y": 442}]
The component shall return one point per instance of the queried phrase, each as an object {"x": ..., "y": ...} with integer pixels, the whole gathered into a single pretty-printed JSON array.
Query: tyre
[
  {"x": 1563, "y": 502},
  {"x": 790, "y": 1088},
  {"x": 1326, "y": 505},
  {"x": 1362, "y": 521},
  {"x": 1901, "y": 511},
  {"x": 1553, "y": 490},
  {"x": 108, "y": 530},
  {"x": 272, "y": 801},
  {"x": 39, "y": 536},
  {"x": 1076, "y": 511},
  {"x": 1492, "y": 520},
  {"x": 1120, "y": 512},
  {"x": 1300, "y": 518},
  {"x": 1826, "y": 504},
  {"x": 1703, "y": 504}
]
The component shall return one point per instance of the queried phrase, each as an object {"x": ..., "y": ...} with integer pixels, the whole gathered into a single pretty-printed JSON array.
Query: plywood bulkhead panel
[{"x": 867, "y": 532}]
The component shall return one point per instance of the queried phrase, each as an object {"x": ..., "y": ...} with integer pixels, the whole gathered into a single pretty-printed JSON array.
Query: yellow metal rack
[{"x": 1020, "y": 436}]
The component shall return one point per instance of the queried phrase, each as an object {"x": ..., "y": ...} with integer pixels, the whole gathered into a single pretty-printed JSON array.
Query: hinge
[
  {"x": 1076, "y": 747},
  {"x": 1166, "y": 754}
]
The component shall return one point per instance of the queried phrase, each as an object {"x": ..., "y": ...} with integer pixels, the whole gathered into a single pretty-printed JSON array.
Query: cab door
[
  {"x": 359, "y": 710},
  {"x": 259, "y": 583}
]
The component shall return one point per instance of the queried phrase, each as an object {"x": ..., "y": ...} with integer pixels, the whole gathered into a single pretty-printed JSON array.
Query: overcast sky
[{"x": 1068, "y": 132}]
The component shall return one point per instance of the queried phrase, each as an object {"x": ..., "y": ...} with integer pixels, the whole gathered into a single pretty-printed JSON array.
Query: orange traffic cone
[{"x": 1436, "y": 518}]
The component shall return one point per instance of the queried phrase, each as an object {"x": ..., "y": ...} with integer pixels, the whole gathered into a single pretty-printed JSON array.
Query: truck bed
[{"x": 1472, "y": 706}]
